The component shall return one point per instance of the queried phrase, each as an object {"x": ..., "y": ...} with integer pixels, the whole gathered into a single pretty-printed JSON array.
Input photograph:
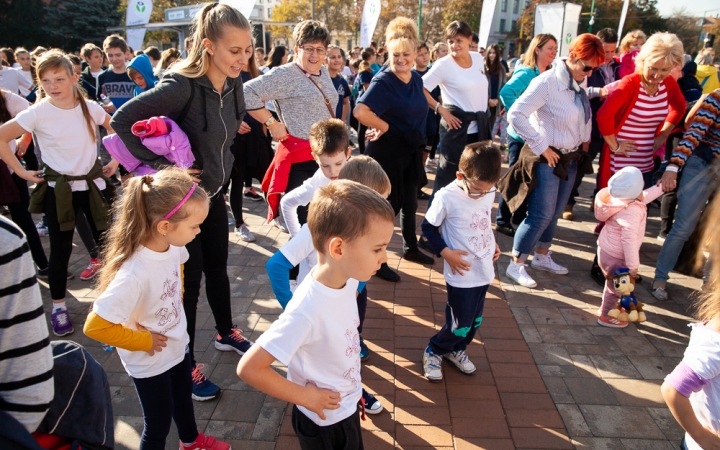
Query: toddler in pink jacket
[{"x": 623, "y": 207}]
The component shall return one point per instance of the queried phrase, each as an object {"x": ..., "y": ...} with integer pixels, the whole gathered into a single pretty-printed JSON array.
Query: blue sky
[{"x": 693, "y": 7}]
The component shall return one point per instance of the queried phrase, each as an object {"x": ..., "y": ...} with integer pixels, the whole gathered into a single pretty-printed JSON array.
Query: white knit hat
[{"x": 627, "y": 183}]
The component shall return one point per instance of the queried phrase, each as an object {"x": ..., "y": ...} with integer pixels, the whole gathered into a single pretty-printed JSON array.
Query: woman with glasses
[
  {"x": 395, "y": 110},
  {"x": 553, "y": 118},
  {"x": 303, "y": 93},
  {"x": 637, "y": 118}
]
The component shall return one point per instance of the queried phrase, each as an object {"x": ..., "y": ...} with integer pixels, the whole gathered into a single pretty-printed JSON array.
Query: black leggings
[
  {"x": 166, "y": 397},
  {"x": 361, "y": 137},
  {"x": 21, "y": 216},
  {"x": 209, "y": 255},
  {"x": 61, "y": 241}
]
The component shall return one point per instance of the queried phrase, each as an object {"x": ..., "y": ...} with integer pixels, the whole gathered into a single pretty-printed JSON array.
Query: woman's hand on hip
[
  {"x": 625, "y": 147},
  {"x": 278, "y": 131},
  {"x": 244, "y": 128},
  {"x": 373, "y": 134},
  {"x": 452, "y": 121},
  {"x": 551, "y": 157},
  {"x": 668, "y": 181}
]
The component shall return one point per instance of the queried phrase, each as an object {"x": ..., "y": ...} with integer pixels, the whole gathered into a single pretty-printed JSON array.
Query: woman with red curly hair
[{"x": 553, "y": 117}]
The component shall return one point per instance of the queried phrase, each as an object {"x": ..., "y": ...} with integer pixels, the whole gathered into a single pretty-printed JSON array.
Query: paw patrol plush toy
[{"x": 628, "y": 308}]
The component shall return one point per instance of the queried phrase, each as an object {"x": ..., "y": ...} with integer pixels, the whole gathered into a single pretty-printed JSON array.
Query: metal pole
[
  {"x": 313, "y": 9},
  {"x": 420, "y": 19},
  {"x": 702, "y": 22},
  {"x": 592, "y": 16}
]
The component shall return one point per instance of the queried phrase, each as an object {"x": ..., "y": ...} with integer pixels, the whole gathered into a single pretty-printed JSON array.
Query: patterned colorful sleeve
[{"x": 707, "y": 116}]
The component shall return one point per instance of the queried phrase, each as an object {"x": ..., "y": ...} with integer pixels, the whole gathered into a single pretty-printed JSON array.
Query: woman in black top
[{"x": 395, "y": 109}]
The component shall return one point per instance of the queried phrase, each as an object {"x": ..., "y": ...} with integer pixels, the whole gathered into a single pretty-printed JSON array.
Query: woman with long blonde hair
[{"x": 203, "y": 94}]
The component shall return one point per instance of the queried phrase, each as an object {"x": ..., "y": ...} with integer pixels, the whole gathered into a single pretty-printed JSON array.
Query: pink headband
[{"x": 182, "y": 202}]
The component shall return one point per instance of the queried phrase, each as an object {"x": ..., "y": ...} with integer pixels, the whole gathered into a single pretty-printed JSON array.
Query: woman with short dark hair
[{"x": 302, "y": 93}]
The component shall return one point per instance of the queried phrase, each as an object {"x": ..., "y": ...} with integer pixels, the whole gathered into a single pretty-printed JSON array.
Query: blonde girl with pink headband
[{"x": 140, "y": 307}]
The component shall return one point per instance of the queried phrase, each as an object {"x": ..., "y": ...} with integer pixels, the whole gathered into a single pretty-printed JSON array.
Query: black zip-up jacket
[{"x": 211, "y": 123}]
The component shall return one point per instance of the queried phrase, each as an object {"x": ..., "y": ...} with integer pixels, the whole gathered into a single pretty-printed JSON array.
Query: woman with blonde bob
[
  {"x": 394, "y": 108},
  {"x": 637, "y": 118},
  {"x": 203, "y": 94}
]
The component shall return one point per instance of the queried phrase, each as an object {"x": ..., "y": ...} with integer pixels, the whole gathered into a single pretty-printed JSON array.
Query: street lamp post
[
  {"x": 420, "y": 19},
  {"x": 592, "y": 17},
  {"x": 700, "y": 23}
]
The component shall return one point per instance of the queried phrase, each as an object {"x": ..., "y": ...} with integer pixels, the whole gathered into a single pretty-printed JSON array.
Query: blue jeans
[
  {"x": 699, "y": 180},
  {"x": 504, "y": 216},
  {"x": 545, "y": 205}
]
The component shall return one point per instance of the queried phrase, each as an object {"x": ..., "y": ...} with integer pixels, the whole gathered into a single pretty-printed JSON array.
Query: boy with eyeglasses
[{"x": 463, "y": 210}]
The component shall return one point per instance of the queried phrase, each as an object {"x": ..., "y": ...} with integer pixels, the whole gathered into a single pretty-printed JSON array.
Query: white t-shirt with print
[
  {"x": 317, "y": 338},
  {"x": 465, "y": 88},
  {"x": 466, "y": 225},
  {"x": 63, "y": 136},
  {"x": 300, "y": 252},
  {"x": 147, "y": 290},
  {"x": 703, "y": 357},
  {"x": 301, "y": 196}
]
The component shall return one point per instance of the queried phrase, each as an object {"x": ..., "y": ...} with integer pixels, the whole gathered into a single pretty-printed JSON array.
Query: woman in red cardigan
[{"x": 637, "y": 118}]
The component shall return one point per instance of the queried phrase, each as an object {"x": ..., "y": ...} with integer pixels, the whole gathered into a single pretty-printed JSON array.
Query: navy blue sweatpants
[{"x": 463, "y": 316}]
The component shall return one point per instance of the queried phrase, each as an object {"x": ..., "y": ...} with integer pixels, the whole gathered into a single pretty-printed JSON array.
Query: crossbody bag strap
[{"x": 327, "y": 100}]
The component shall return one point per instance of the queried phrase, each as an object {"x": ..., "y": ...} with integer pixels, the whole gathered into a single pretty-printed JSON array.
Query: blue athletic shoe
[
  {"x": 372, "y": 405},
  {"x": 364, "y": 350},
  {"x": 232, "y": 341},
  {"x": 203, "y": 389}
]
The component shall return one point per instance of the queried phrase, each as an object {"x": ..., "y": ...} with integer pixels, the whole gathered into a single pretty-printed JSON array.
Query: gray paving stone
[
  {"x": 592, "y": 391},
  {"x": 585, "y": 366},
  {"x": 558, "y": 390},
  {"x": 654, "y": 367},
  {"x": 636, "y": 345},
  {"x": 268, "y": 424},
  {"x": 615, "y": 421},
  {"x": 637, "y": 392},
  {"x": 575, "y": 316},
  {"x": 594, "y": 443},
  {"x": 564, "y": 334},
  {"x": 646, "y": 444},
  {"x": 574, "y": 420},
  {"x": 667, "y": 423},
  {"x": 558, "y": 371},
  {"x": 550, "y": 354},
  {"x": 614, "y": 366},
  {"x": 546, "y": 316}
]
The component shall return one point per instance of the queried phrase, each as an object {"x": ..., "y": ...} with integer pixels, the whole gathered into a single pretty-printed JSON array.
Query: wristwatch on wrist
[
  {"x": 269, "y": 121},
  {"x": 616, "y": 148}
]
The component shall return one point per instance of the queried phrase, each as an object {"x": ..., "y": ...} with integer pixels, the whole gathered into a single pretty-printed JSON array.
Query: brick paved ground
[{"x": 548, "y": 375}]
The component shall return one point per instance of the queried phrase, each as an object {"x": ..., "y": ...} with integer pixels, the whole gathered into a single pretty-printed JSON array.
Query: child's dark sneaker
[
  {"x": 61, "y": 324},
  {"x": 204, "y": 442},
  {"x": 461, "y": 361},
  {"x": 203, "y": 389},
  {"x": 232, "y": 341},
  {"x": 372, "y": 405},
  {"x": 432, "y": 365},
  {"x": 251, "y": 193},
  {"x": 364, "y": 350}
]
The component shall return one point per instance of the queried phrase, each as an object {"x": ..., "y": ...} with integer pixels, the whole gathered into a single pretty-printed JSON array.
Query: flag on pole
[
  {"x": 486, "y": 19},
  {"x": 244, "y": 6},
  {"x": 370, "y": 15},
  {"x": 138, "y": 13},
  {"x": 623, "y": 16}
]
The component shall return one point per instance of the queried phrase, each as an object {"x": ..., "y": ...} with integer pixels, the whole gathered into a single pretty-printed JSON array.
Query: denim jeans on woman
[
  {"x": 699, "y": 180},
  {"x": 545, "y": 205}
]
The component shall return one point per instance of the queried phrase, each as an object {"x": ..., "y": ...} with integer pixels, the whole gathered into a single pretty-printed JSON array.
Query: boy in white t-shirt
[
  {"x": 463, "y": 210},
  {"x": 316, "y": 337},
  {"x": 330, "y": 146}
]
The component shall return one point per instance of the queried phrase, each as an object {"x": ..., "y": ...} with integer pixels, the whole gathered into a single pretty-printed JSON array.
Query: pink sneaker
[
  {"x": 91, "y": 270},
  {"x": 206, "y": 443},
  {"x": 611, "y": 322}
]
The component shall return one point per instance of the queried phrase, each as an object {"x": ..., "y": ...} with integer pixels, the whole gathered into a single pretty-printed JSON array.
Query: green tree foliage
[
  {"x": 23, "y": 24},
  {"x": 72, "y": 23}
]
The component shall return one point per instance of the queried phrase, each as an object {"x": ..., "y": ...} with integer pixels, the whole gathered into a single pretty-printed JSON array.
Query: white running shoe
[
  {"x": 517, "y": 273},
  {"x": 660, "y": 293},
  {"x": 279, "y": 223},
  {"x": 432, "y": 366},
  {"x": 461, "y": 361},
  {"x": 244, "y": 233},
  {"x": 546, "y": 263}
]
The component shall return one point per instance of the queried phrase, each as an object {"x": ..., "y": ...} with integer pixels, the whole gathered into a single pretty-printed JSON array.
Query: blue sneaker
[
  {"x": 61, "y": 324},
  {"x": 232, "y": 341},
  {"x": 372, "y": 405},
  {"x": 364, "y": 350},
  {"x": 203, "y": 389}
]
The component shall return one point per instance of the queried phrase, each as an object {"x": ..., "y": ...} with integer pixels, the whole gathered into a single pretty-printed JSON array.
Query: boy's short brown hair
[
  {"x": 88, "y": 50},
  {"x": 115, "y": 41},
  {"x": 329, "y": 137},
  {"x": 345, "y": 209},
  {"x": 366, "y": 171},
  {"x": 481, "y": 161}
]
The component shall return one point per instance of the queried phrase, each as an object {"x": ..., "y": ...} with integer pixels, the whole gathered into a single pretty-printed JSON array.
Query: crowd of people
[{"x": 144, "y": 152}]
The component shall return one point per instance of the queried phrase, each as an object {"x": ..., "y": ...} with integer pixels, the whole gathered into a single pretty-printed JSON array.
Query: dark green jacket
[{"x": 63, "y": 197}]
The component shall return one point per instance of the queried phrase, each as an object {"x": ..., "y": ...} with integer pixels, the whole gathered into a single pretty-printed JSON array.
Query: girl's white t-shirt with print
[
  {"x": 147, "y": 291},
  {"x": 703, "y": 357},
  {"x": 317, "y": 338},
  {"x": 466, "y": 225},
  {"x": 465, "y": 88},
  {"x": 63, "y": 136}
]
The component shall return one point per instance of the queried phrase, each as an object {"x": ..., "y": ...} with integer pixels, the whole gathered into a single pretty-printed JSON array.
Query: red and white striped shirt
[{"x": 640, "y": 126}]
